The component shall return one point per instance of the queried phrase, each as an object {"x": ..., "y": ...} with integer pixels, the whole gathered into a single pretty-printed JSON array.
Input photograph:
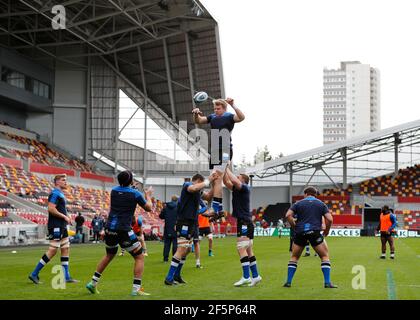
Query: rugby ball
[{"x": 200, "y": 97}]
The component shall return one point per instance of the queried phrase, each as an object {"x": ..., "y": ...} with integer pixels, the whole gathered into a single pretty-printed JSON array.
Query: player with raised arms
[
  {"x": 308, "y": 226},
  {"x": 222, "y": 123},
  {"x": 118, "y": 230},
  {"x": 239, "y": 185}
]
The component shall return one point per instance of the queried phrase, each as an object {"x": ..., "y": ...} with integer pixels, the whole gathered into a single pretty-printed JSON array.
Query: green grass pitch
[{"x": 215, "y": 280}]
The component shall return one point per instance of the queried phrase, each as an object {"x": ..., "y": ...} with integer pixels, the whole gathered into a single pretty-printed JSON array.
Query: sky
[{"x": 274, "y": 53}]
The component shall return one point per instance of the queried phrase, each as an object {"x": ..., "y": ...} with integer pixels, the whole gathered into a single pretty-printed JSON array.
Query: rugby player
[
  {"x": 57, "y": 230},
  {"x": 188, "y": 206},
  {"x": 307, "y": 228},
  {"x": 223, "y": 123},
  {"x": 137, "y": 225},
  {"x": 239, "y": 185},
  {"x": 118, "y": 230},
  {"x": 204, "y": 228}
]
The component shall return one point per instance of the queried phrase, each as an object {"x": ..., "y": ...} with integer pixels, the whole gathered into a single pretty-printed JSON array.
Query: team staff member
[
  {"x": 239, "y": 185},
  {"x": 118, "y": 230},
  {"x": 169, "y": 214},
  {"x": 387, "y": 225},
  {"x": 308, "y": 226},
  {"x": 57, "y": 230}
]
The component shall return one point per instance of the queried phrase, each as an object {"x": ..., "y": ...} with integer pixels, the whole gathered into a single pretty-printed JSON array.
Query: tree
[
  {"x": 243, "y": 164},
  {"x": 262, "y": 155}
]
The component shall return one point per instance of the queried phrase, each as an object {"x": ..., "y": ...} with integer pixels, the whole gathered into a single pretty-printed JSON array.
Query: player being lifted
[
  {"x": 118, "y": 230},
  {"x": 57, "y": 230},
  {"x": 387, "y": 225},
  {"x": 308, "y": 225},
  {"x": 221, "y": 123},
  {"x": 188, "y": 206},
  {"x": 245, "y": 228}
]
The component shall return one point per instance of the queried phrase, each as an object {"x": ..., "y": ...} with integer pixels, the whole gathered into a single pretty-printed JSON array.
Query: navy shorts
[
  {"x": 186, "y": 229},
  {"x": 314, "y": 237},
  {"x": 204, "y": 231},
  {"x": 125, "y": 239},
  {"x": 57, "y": 234},
  {"x": 245, "y": 229}
]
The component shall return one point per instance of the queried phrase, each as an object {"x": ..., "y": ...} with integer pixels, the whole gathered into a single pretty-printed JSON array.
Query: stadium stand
[
  {"x": 43, "y": 154},
  {"x": 411, "y": 219},
  {"x": 405, "y": 184},
  {"x": 338, "y": 192},
  {"x": 88, "y": 201}
]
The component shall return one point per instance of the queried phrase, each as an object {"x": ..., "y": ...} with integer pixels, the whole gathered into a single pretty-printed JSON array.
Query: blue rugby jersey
[
  {"x": 57, "y": 197},
  {"x": 241, "y": 203},
  {"x": 188, "y": 203},
  {"x": 123, "y": 205},
  {"x": 309, "y": 212},
  {"x": 224, "y": 121}
]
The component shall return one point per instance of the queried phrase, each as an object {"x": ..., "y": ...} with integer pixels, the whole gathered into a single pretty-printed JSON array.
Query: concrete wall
[
  {"x": 30, "y": 68},
  {"x": 61, "y": 120},
  {"x": 16, "y": 118},
  {"x": 69, "y": 129},
  {"x": 69, "y": 120},
  {"x": 41, "y": 123}
]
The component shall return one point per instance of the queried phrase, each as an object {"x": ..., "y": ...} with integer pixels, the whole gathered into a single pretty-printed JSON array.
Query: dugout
[{"x": 370, "y": 221}]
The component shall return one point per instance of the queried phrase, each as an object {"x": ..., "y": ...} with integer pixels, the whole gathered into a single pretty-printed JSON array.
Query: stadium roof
[
  {"x": 353, "y": 160},
  {"x": 160, "y": 51},
  {"x": 114, "y": 30}
]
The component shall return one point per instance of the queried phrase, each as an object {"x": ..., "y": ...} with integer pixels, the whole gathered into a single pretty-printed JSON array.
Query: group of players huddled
[{"x": 305, "y": 217}]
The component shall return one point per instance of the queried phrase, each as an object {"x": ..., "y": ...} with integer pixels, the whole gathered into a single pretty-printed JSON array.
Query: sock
[
  {"x": 245, "y": 267},
  {"x": 44, "y": 260},
  {"x": 181, "y": 264},
  {"x": 136, "y": 284},
  {"x": 326, "y": 269},
  {"x": 307, "y": 249},
  {"x": 210, "y": 251},
  {"x": 291, "y": 269},
  {"x": 383, "y": 255},
  {"x": 65, "y": 265},
  {"x": 197, "y": 262},
  {"x": 253, "y": 266},
  {"x": 392, "y": 254},
  {"x": 192, "y": 248},
  {"x": 95, "y": 278},
  {"x": 217, "y": 205},
  {"x": 174, "y": 265}
]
